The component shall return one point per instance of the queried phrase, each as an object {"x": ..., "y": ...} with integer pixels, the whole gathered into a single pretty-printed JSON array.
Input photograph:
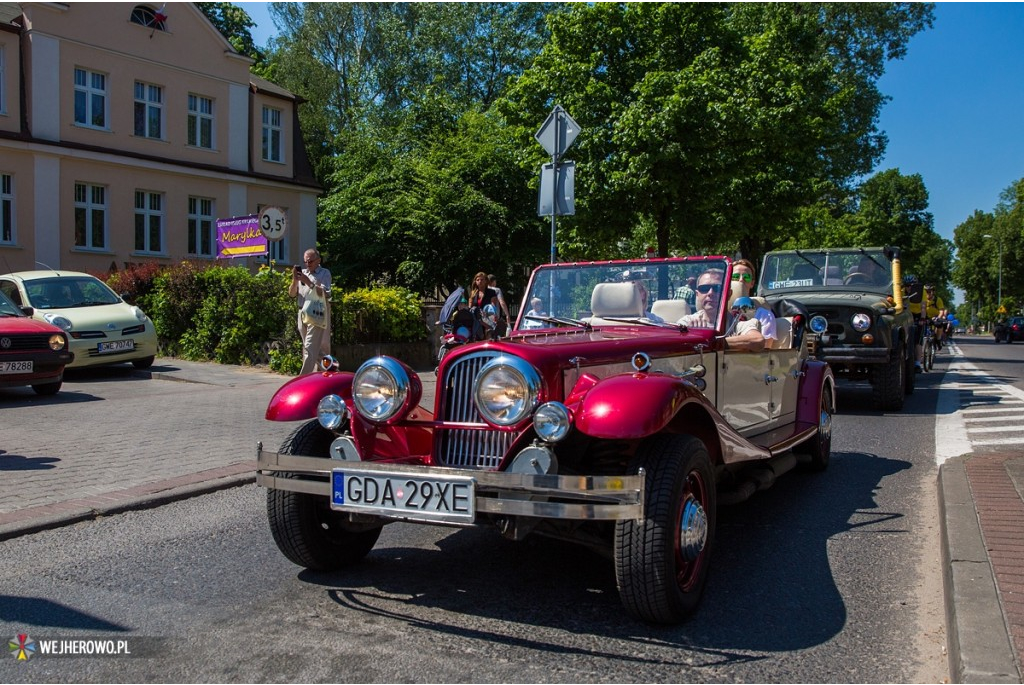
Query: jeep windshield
[
  {"x": 854, "y": 270},
  {"x": 644, "y": 292}
]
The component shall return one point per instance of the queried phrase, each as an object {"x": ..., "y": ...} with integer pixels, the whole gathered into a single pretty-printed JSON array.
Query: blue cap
[{"x": 743, "y": 303}]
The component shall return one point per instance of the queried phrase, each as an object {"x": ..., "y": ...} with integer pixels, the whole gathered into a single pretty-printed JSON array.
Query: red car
[
  {"x": 31, "y": 352},
  {"x": 600, "y": 419}
]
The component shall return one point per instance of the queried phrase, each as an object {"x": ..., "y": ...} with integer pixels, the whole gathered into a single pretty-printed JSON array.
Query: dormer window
[{"x": 149, "y": 17}]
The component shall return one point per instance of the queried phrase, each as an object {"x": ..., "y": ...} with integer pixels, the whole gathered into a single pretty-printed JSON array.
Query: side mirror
[
  {"x": 127, "y": 297},
  {"x": 26, "y": 310}
]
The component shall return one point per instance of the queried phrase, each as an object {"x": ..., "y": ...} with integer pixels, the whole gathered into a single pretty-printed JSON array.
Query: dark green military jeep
[{"x": 858, "y": 322}]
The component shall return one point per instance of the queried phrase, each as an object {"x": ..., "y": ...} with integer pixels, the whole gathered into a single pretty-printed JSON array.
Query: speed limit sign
[{"x": 273, "y": 223}]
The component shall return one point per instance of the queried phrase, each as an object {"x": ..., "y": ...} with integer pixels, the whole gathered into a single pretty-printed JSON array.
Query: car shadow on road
[
  {"x": 17, "y": 462},
  {"x": 771, "y": 587},
  {"x": 44, "y": 613}
]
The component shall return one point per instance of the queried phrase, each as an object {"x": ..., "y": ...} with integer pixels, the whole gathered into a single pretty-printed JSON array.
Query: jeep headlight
[
  {"x": 818, "y": 324},
  {"x": 380, "y": 388},
  {"x": 860, "y": 322},
  {"x": 506, "y": 390},
  {"x": 331, "y": 412}
]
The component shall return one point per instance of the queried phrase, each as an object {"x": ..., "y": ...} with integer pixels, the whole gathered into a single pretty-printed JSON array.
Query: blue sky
[{"x": 957, "y": 110}]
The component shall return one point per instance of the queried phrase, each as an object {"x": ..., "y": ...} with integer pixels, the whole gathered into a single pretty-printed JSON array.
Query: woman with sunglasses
[{"x": 743, "y": 271}]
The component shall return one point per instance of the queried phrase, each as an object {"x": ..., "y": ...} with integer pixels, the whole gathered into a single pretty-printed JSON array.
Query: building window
[
  {"x": 200, "y": 226},
  {"x": 149, "y": 17},
  {"x": 3, "y": 89},
  {"x": 149, "y": 110},
  {"x": 149, "y": 221},
  {"x": 272, "y": 135},
  {"x": 90, "y": 98},
  {"x": 7, "y": 234},
  {"x": 90, "y": 216},
  {"x": 200, "y": 121}
]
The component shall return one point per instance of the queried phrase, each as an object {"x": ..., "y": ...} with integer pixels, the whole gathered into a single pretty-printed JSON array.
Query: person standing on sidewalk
[{"x": 312, "y": 286}]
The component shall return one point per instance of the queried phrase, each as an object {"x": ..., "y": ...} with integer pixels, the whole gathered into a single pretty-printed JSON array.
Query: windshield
[
  {"x": 854, "y": 270},
  {"x": 605, "y": 294},
  {"x": 66, "y": 292}
]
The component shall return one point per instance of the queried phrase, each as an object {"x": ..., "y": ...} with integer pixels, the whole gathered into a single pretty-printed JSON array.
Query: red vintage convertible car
[{"x": 601, "y": 419}]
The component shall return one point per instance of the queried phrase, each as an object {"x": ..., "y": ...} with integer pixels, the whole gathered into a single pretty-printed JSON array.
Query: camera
[{"x": 297, "y": 268}]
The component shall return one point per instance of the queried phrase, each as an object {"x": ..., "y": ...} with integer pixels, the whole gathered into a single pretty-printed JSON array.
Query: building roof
[{"x": 9, "y": 11}]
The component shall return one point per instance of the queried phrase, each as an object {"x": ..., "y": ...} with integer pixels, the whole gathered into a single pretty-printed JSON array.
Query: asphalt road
[{"x": 832, "y": 577}]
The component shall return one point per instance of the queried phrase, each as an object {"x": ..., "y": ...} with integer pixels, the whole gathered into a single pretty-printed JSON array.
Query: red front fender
[
  {"x": 632, "y": 406},
  {"x": 297, "y": 399},
  {"x": 817, "y": 378}
]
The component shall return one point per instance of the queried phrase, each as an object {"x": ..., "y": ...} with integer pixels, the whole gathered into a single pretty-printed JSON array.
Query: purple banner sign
[{"x": 240, "y": 236}]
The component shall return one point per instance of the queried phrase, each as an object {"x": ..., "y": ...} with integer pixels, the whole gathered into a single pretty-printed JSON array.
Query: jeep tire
[
  {"x": 304, "y": 526},
  {"x": 889, "y": 381},
  {"x": 661, "y": 562}
]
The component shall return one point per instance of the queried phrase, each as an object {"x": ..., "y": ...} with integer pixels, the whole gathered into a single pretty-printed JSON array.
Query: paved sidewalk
[{"x": 981, "y": 499}]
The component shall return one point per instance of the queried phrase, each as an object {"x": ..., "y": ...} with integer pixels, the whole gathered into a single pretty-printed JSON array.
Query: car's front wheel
[
  {"x": 143, "y": 363},
  {"x": 888, "y": 383},
  {"x": 305, "y": 528},
  {"x": 47, "y": 388},
  {"x": 661, "y": 561}
]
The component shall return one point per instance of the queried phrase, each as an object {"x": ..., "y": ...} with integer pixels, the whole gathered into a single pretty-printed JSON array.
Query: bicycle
[{"x": 929, "y": 343}]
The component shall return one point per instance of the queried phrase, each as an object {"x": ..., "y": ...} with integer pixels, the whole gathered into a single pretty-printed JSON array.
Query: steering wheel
[{"x": 857, "y": 277}]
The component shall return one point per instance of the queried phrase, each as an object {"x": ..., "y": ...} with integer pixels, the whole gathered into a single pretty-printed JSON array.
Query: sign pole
[{"x": 554, "y": 180}]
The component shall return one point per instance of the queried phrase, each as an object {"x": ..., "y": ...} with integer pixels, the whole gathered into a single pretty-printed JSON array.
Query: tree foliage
[{"x": 234, "y": 23}]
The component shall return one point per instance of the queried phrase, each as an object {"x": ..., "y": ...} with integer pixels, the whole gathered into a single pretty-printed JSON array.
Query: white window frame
[
  {"x": 273, "y": 135},
  {"x": 201, "y": 222},
  {"x": 197, "y": 119},
  {"x": 148, "y": 97},
  {"x": 150, "y": 214},
  {"x": 3, "y": 82},
  {"x": 8, "y": 222},
  {"x": 91, "y": 92},
  {"x": 92, "y": 202}
]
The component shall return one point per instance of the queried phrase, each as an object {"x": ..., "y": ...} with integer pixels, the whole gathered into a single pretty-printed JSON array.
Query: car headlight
[
  {"x": 380, "y": 388},
  {"x": 139, "y": 314},
  {"x": 506, "y": 391},
  {"x": 818, "y": 324},
  {"x": 552, "y": 421},
  {"x": 59, "y": 321},
  {"x": 331, "y": 412},
  {"x": 57, "y": 342},
  {"x": 860, "y": 322}
]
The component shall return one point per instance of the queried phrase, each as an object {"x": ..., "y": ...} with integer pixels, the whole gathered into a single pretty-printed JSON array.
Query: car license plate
[
  {"x": 420, "y": 498},
  {"x": 116, "y": 346},
  {"x": 16, "y": 367}
]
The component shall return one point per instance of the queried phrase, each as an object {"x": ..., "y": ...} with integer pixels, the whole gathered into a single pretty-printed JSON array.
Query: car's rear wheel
[
  {"x": 143, "y": 363},
  {"x": 661, "y": 561},
  {"x": 47, "y": 388},
  {"x": 888, "y": 383},
  {"x": 819, "y": 448},
  {"x": 305, "y": 528}
]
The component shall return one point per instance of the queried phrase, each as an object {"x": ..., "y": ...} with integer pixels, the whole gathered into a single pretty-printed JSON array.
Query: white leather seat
[
  {"x": 670, "y": 310},
  {"x": 615, "y": 299}
]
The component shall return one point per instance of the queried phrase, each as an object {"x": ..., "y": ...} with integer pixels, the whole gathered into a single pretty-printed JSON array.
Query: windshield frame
[{"x": 76, "y": 286}]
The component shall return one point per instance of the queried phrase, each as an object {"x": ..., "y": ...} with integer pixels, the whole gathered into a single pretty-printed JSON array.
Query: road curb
[
  {"x": 48, "y": 517},
  {"x": 978, "y": 646}
]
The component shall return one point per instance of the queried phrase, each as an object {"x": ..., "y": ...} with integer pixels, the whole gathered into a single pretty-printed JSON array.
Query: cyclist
[
  {"x": 935, "y": 309},
  {"x": 912, "y": 293}
]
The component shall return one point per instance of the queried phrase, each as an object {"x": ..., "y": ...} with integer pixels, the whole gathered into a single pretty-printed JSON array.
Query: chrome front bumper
[{"x": 607, "y": 498}]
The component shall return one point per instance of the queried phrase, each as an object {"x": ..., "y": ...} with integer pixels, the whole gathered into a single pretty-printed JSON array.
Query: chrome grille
[{"x": 466, "y": 448}]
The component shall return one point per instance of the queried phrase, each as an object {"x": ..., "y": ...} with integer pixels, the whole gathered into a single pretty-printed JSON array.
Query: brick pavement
[{"x": 997, "y": 485}]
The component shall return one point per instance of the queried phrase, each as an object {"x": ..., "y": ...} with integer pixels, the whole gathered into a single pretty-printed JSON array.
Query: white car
[{"x": 101, "y": 327}]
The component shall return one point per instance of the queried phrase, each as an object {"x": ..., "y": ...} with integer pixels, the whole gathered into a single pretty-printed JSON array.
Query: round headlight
[
  {"x": 59, "y": 321},
  {"x": 379, "y": 388},
  {"x": 819, "y": 324},
  {"x": 551, "y": 421},
  {"x": 860, "y": 322},
  {"x": 57, "y": 342},
  {"x": 331, "y": 412},
  {"x": 506, "y": 390}
]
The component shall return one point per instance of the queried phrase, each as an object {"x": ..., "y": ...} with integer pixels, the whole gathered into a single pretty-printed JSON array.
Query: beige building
[{"x": 127, "y": 130}]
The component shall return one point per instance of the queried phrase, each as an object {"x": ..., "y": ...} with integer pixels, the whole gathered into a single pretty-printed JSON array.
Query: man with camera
[{"x": 312, "y": 286}]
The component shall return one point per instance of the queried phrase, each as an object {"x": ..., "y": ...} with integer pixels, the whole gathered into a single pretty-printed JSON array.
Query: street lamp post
[{"x": 999, "y": 303}]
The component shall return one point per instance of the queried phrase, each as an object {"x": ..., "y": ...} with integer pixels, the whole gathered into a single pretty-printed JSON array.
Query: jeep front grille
[{"x": 463, "y": 447}]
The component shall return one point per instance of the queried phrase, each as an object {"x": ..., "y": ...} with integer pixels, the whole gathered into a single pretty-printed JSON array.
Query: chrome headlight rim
[
  {"x": 818, "y": 324},
  {"x": 861, "y": 322},
  {"x": 528, "y": 380},
  {"x": 552, "y": 421},
  {"x": 394, "y": 389},
  {"x": 61, "y": 322},
  {"x": 331, "y": 412}
]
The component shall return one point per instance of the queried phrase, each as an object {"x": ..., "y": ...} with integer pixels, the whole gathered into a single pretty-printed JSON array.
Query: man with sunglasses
[{"x": 709, "y": 298}]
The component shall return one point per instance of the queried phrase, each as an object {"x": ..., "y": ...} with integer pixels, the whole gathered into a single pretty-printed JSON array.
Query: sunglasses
[
  {"x": 742, "y": 277},
  {"x": 708, "y": 287}
]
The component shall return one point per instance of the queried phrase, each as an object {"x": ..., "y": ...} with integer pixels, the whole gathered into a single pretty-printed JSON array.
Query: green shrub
[{"x": 385, "y": 315}]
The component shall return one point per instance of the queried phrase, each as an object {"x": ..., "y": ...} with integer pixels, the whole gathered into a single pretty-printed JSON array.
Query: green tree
[{"x": 234, "y": 23}]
